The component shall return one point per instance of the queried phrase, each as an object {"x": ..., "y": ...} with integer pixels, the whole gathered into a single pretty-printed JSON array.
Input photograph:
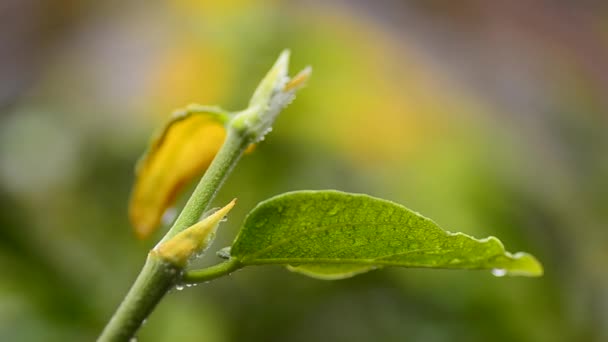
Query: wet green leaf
[{"x": 334, "y": 235}]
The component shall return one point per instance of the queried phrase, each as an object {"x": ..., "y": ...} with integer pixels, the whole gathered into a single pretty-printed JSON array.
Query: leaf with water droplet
[{"x": 340, "y": 235}]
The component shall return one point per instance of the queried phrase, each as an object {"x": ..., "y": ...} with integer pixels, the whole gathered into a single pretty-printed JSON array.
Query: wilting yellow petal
[
  {"x": 187, "y": 243},
  {"x": 183, "y": 151}
]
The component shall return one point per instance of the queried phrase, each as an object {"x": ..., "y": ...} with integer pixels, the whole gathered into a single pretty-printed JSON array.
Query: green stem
[
  {"x": 205, "y": 191},
  {"x": 157, "y": 277},
  {"x": 210, "y": 273}
]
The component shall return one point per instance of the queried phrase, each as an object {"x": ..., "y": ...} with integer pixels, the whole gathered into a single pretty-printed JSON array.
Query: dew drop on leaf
[
  {"x": 499, "y": 272},
  {"x": 326, "y": 228}
]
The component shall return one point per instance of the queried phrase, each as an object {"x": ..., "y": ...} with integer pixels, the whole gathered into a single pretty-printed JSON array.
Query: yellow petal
[{"x": 183, "y": 151}]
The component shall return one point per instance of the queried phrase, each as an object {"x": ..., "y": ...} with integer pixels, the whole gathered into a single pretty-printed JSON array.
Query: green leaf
[{"x": 334, "y": 235}]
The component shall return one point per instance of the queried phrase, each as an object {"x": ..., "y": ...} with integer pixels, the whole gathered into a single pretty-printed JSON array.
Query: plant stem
[
  {"x": 205, "y": 191},
  {"x": 209, "y": 273},
  {"x": 157, "y": 277}
]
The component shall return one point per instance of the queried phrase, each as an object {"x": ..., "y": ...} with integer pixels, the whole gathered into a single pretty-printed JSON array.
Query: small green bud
[{"x": 274, "y": 93}]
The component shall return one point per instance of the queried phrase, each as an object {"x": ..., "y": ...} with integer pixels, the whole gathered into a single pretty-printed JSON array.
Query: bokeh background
[{"x": 491, "y": 117}]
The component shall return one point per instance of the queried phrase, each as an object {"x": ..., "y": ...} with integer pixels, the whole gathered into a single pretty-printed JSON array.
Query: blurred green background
[{"x": 491, "y": 117}]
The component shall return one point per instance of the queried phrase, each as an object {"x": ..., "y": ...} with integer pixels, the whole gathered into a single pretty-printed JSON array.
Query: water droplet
[
  {"x": 263, "y": 135},
  {"x": 224, "y": 253},
  {"x": 499, "y": 272},
  {"x": 169, "y": 216},
  {"x": 179, "y": 287},
  {"x": 133, "y": 339}
]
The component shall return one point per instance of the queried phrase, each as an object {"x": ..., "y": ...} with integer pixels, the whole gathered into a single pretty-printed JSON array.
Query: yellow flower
[{"x": 182, "y": 151}]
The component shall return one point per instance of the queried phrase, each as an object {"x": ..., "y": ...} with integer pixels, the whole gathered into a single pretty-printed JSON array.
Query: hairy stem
[{"x": 157, "y": 277}]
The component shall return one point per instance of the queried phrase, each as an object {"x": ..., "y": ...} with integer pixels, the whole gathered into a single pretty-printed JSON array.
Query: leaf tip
[
  {"x": 217, "y": 216},
  {"x": 284, "y": 57},
  {"x": 525, "y": 265}
]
